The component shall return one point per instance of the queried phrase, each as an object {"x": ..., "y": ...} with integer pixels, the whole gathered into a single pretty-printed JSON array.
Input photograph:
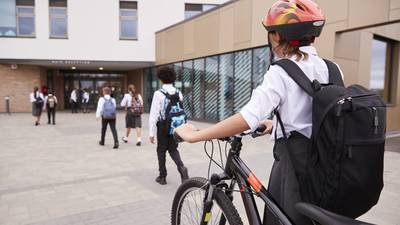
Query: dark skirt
[
  {"x": 36, "y": 111},
  {"x": 283, "y": 184},
  {"x": 133, "y": 121}
]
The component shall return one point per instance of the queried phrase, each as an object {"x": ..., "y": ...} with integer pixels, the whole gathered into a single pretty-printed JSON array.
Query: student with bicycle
[{"x": 292, "y": 27}]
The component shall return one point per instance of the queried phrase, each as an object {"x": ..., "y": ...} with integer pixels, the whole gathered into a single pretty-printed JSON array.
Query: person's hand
[
  {"x": 187, "y": 132},
  {"x": 269, "y": 125},
  {"x": 97, "y": 118},
  {"x": 152, "y": 140}
]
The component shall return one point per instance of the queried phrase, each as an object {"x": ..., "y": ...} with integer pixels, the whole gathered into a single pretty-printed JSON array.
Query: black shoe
[
  {"x": 184, "y": 173},
  {"x": 54, "y": 123},
  {"x": 101, "y": 143},
  {"x": 37, "y": 123},
  {"x": 138, "y": 143},
  {"x": 48, "y": 122},
  {"x": 116, "y": 145},
  {"x": 161, "y": 180}
]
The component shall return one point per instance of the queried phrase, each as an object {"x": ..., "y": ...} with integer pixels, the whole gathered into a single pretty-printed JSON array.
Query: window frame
[
  {"x": 25, "y": 15},
  {"x": 129, "y": 18},
  {"x": 388, "y": 92},
  {"x": 58, "y": 17}
]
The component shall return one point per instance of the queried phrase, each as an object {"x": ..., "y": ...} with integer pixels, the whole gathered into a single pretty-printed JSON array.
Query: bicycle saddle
[{"x": 324, "y": 217}]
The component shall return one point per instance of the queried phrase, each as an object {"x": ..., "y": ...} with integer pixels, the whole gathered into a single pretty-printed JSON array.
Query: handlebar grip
[
  {"x": 177, "y": 138},
  {"x": 260, "y": 129},
  {"x": 258, "y": 132}
]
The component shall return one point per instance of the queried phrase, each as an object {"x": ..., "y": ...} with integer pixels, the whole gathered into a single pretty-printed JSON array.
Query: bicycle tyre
[{"x": 224, "y": 203}]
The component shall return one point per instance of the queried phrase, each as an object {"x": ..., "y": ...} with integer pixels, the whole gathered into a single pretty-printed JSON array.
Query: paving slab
[{"x": 58, "y": 174}]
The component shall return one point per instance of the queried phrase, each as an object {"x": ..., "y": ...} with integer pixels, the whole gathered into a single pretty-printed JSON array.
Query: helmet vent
[{"x": 300, "y": 7}]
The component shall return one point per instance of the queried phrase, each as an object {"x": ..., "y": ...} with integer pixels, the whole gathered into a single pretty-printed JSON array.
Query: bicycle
[{"x": 195, "y": 199}]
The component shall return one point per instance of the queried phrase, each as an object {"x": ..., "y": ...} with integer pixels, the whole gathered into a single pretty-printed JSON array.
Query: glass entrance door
[{"x": 93, "y": 83}]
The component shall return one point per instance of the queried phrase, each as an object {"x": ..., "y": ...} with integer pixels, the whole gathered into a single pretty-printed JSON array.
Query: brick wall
[{"x": 18, "y": 84}]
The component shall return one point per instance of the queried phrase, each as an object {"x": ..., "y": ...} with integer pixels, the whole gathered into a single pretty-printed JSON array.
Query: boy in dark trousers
[
  {"x": 165, "y": 141},
  {"x": 106, "y": 110}
]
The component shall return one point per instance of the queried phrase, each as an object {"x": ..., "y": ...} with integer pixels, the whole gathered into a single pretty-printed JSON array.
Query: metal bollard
[{"x": 7, "y": 99}]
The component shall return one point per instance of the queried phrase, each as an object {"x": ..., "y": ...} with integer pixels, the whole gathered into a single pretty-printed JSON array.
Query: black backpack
[
  {"x": 344, "y": 171},
  {"x": 173, "y": 114}
]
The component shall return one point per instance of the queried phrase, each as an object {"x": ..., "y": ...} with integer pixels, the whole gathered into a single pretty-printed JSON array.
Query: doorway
[{"x": 93, "y": 84}]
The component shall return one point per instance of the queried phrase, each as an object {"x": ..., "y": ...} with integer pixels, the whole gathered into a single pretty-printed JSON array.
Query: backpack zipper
[{"x": 376, "y": 120}]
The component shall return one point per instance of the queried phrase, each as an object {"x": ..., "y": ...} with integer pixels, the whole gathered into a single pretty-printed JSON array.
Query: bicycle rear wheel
[{"x": 187, "y": 207}]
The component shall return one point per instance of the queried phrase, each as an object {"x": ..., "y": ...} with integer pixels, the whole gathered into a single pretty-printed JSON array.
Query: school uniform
[
  {"x": 85, "y": 100},
  {"x": 51, "y": 108},
  {"x": 294, "y": 105},
  {"x": 106, "y": 121},
  {"x": 33, "y": 98},
  {"x": 74, "y": 101},
  {"x": 165, "y": 142},
  {"x": 131, "y": 120}
]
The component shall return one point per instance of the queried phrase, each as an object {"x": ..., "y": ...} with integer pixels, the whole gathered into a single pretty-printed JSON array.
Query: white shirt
[
  {"x": 32, "y": 97},
  {"x": 73, "y": 96},
  {"x": 100, "y": 104},
  {"x": 127, "y": 100},
  {"x": 157, "y": 105},
  {"x": 45, "y": 100},
  {"x": 85, "y": 97},
  {"x": 279, "y": 89}
]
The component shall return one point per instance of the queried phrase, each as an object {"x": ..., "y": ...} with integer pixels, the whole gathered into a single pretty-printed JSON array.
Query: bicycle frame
[{"x": 237, "y": 170}]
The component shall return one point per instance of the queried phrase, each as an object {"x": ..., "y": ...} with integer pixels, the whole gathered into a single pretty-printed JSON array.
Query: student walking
[
  {"x": 73, "y": 99},
  {"x": 107, "y": 111},
  {"x": 133, "y": 103},
  {"x": 289, "y": 39},
  {"x": 37, "y": 99},
  {"x": 85, "y": 100},
  {"x": 165, "y": 101},
  {"x": 50, "y": 104}
]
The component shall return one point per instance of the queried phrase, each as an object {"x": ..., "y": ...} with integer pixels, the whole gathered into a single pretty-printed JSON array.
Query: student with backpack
[
  {"x": 329, "y": 139},
  {"x": 50, "y": 104},
  {"x": 167, "y": 113},
  {"x": 133, "y": 103},
  {"x": 37, "y": 99},
  {"x": 107, "y": 111}
]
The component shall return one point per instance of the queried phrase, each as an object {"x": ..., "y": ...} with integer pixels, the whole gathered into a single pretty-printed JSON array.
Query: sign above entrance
[{"x": 71, "y": 62}]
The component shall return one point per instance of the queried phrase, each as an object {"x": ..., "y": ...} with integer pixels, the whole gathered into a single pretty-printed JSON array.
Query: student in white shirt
[
  {"x": 278, "y": 90},
  {"x": 37, "y": 99},
  {"x": 107, "y": 111},
  {"x": 73, "y": 99},
  {"x": 165, "y": 142},
  {"x": 133, "y": 103},
  {"x": 85, "y": 100},
  {"x": 50, "y": 104}
]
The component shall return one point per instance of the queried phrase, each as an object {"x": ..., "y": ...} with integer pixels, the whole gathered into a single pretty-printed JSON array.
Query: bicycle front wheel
[{"x": 187, "y": 207}]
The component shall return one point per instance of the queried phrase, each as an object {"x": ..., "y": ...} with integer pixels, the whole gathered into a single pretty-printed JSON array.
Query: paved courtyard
[{"x": 59, "y": 175}]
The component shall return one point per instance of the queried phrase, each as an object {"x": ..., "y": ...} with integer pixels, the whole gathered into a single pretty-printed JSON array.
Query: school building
[
  {"x": 64, "y": 44},
  {"x": 219, "y": 52}
]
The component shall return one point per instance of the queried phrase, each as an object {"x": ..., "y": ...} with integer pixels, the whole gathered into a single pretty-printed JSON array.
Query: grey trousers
[{"x": 283, "y": 184}]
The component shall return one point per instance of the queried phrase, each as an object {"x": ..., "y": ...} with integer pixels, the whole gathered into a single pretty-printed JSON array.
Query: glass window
[
  {"x": 187, "y": 89},
  {"x": 128, "y": 20},
  {"x": 198, "y": 89},
  {"x": 242, "y": 83},
  {"x": 381, "y": 71},
  {"x": 226, "y": 65},
  {"x": 207, "y": 7},
  {"x": 260, "y": 65},
  {"x": 8, "y": 21},
  {"x": 58, "y": 18},
  {"x": 25, "y": 18},
  {"x": 192, "y": 10},
  {"x": 178, "y": 71},
  {"x": 211, "y": 89}
]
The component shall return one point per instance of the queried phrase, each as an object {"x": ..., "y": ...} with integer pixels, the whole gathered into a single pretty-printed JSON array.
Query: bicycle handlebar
[{"x": 257, "y": 133}]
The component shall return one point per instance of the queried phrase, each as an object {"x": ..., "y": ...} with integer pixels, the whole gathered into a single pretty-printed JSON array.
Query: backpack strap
[
  {"x": 335, "y": 76},
  {"x": 297, "y": 75}
]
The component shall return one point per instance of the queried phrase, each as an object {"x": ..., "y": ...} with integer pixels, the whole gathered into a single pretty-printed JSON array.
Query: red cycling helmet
[{"x": 297, "y": 21}]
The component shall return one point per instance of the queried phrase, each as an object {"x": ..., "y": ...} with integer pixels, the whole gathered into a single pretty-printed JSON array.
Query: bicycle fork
[{"x": 208, "y": 204}]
